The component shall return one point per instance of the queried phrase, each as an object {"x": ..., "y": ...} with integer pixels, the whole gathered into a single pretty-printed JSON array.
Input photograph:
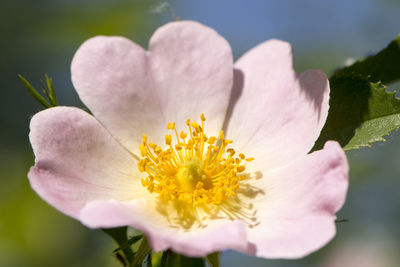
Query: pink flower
[{"x": 101, "y": 171}]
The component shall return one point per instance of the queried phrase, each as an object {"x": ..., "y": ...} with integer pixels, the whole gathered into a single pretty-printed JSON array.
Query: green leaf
[
  {"x": 383, "y": 67},
  {"x": 143, "y": 251},
  {"x": 33, "y": 92},
  {"x": 129, "y": 242},
  {"x": 213, "y": 259},
  {"x": 120, "y": 236},
  {"x": 361, "y": 112},
  {"x": 51, "y": 92},
  {"x": 46, "y": 93}
]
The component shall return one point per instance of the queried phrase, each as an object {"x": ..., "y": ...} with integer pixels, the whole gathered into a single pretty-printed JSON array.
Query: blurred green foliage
[
  {"x": 37, "y": 37},
  {"x": 42, "y": 36}
]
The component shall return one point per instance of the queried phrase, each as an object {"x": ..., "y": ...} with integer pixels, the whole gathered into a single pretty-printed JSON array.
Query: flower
[{"x": 252, "y": 187}]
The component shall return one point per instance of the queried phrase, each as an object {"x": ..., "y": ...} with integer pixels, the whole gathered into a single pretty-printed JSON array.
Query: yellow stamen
[
  {"x": 168, "y": 139},
  {"x": 197, "y": 172}
]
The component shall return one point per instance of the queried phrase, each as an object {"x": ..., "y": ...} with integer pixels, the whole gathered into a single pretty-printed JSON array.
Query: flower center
[
  {"x": 190, "y": 174},
  {"x": 198, "y": 172}
]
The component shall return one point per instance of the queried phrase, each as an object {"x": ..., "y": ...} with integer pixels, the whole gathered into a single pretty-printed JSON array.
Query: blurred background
[{"x": 41, "y": 36}]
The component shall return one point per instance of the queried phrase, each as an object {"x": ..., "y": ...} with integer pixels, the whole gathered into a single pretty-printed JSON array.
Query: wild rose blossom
[{"x": 199, "y": 154}]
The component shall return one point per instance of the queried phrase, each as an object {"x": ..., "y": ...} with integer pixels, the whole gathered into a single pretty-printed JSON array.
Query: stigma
[{"x": 195, "y": 170}]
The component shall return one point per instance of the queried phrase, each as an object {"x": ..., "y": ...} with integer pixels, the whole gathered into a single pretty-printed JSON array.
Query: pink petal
[
  {"x": 77, "y": 161},
  {"x": 217, "y": 236},
  {"x": 276, "y": 109},
  {"x": 297, "y": 211},
  {"x": 188, "y": 71}
]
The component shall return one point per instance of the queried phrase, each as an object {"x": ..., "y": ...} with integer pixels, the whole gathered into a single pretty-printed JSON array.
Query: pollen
[{"x": 195, "y": 171}]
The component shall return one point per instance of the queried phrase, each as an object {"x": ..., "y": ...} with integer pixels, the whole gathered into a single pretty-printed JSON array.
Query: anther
[
  {"x": 143, "y": 150},
  {"x": 168, "y": 139},
  {"x": 241, "y": 168},
  {"x": 195, "y": 126},
  {"x": 183, "y": 135},
  {"x": 231, "y": 151},
  {"x": 144, "y": 138},
  {"x": 211, "y": 140},
  {"x": 171, "y": 125}
]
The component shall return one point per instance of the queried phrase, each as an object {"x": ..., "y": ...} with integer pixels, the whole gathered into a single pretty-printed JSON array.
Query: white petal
[
  {"x": 278, "y": 115},
  {"x": 77, "y": 161}
]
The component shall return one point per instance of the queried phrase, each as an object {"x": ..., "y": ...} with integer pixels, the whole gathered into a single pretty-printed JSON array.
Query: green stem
[
  {"x": 177, "y": 260},
  {"x": 164, "y": 258}
]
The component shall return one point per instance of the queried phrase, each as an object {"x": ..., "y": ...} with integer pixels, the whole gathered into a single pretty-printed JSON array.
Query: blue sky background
[{"x": 339, "y": 29}]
